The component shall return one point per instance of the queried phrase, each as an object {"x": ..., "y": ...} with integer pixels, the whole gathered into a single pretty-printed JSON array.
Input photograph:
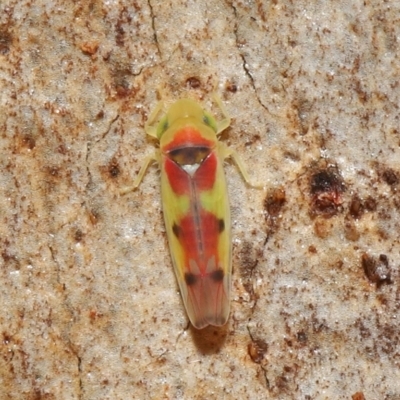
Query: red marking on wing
[
  {"x": 206, "y": 294},
  {"x": 207, "y": 299},
  {"x": 199, "y": 238},
  {"x": 205, "y": 286},
  {"x": 178, "y": 178},
  {"x": 205, "y": 175},
  {"x": 181, "y": 182},
  {"x": 187, "y": 136}
]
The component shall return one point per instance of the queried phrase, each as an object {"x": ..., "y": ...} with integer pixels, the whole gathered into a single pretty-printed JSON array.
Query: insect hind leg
[
  {"x": 227, "y": 152},
  {"x": 142, "y": 172}
]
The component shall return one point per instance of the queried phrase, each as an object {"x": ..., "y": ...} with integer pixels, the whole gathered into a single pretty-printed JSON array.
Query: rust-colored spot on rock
[
  {"x": 356, "y": 207},
  {"x": 231, "y": 87},
  {"x": 274, "y": 202},
  {"x": 6, "y": 337},
  {"x": 255, "y": 138},
  {"x": 113, "y": 168},
  {"x": 351, "y": 231},
  {"x": 376, "y": 270},
  {"x": 94, "y": 315},
  {"x": 358, "y": 396},
  {"x": 322, "y": 228},
  {"x": 326, "y": 188},
  {"x": 123, "y": 90},
  {"x": 11, "y": 261},
  {"x": 53, "y": 171},
  {"x": 78, "y": 235},
  {"x": 304, "y": 108},
  {"x": 28, "y": 142},
  {"x": 5, "y": 40},
  {"x": 249, "y": 261},
  {"x": 90, "y": 48},
  {"x": 94, "y": 216},
  {"x": 370, "y": 204},
  {"x": 121, "y": 77},
  {"x": 100, "y": 115},
  {"x": 193, "y": 82},
  {"x": 390, "y": 176},
  {"x": 273, "y": 205},
  {"x": 302, "y": 337},
  {"x": 312, "y": 249},
  {"x": 257, "y": 350}
]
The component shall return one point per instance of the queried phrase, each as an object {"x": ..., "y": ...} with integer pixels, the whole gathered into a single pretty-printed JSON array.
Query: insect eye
[
  {"x": 162, "y": 127},
  {"x": 209, "y": 121}
]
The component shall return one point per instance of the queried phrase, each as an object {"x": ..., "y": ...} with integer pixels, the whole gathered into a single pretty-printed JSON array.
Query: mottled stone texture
[{"x": 89, "y": 303}]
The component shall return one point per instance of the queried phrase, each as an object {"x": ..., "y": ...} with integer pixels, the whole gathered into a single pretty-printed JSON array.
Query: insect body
[{"x": 195, "y": 206}]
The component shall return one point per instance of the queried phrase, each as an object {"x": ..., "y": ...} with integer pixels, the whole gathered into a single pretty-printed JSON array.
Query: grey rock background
[{"x": 90, "y": 306}]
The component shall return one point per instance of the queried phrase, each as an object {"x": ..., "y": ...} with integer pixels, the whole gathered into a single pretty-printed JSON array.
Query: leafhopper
[{"x": 195, "y": 205}]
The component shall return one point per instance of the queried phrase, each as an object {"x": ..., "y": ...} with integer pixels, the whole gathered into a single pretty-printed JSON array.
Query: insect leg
[
  {"x": 226, "y": 152},
  {"x": 150, "y": 126},
  {"x": 224, "y": 123},
  {"x": 139, "y": 178}
]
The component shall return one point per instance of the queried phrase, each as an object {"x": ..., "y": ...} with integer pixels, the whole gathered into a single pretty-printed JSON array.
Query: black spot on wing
[
  {"x": 218, "y": 275},
  {"x": 221, "y": 225},
  {"x": 177, "y": 230},
  {"x": 190, "y": 278}
]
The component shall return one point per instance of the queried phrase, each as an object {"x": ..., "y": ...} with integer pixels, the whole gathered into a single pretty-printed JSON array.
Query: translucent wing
[{"x": 197, "y": 219}]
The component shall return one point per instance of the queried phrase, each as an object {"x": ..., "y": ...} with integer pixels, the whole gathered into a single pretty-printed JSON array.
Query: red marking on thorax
[{"x": 188, "y": 136}]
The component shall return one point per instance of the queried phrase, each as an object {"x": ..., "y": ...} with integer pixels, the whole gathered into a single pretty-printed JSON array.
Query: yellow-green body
[{"x": 196, "y": 207}]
